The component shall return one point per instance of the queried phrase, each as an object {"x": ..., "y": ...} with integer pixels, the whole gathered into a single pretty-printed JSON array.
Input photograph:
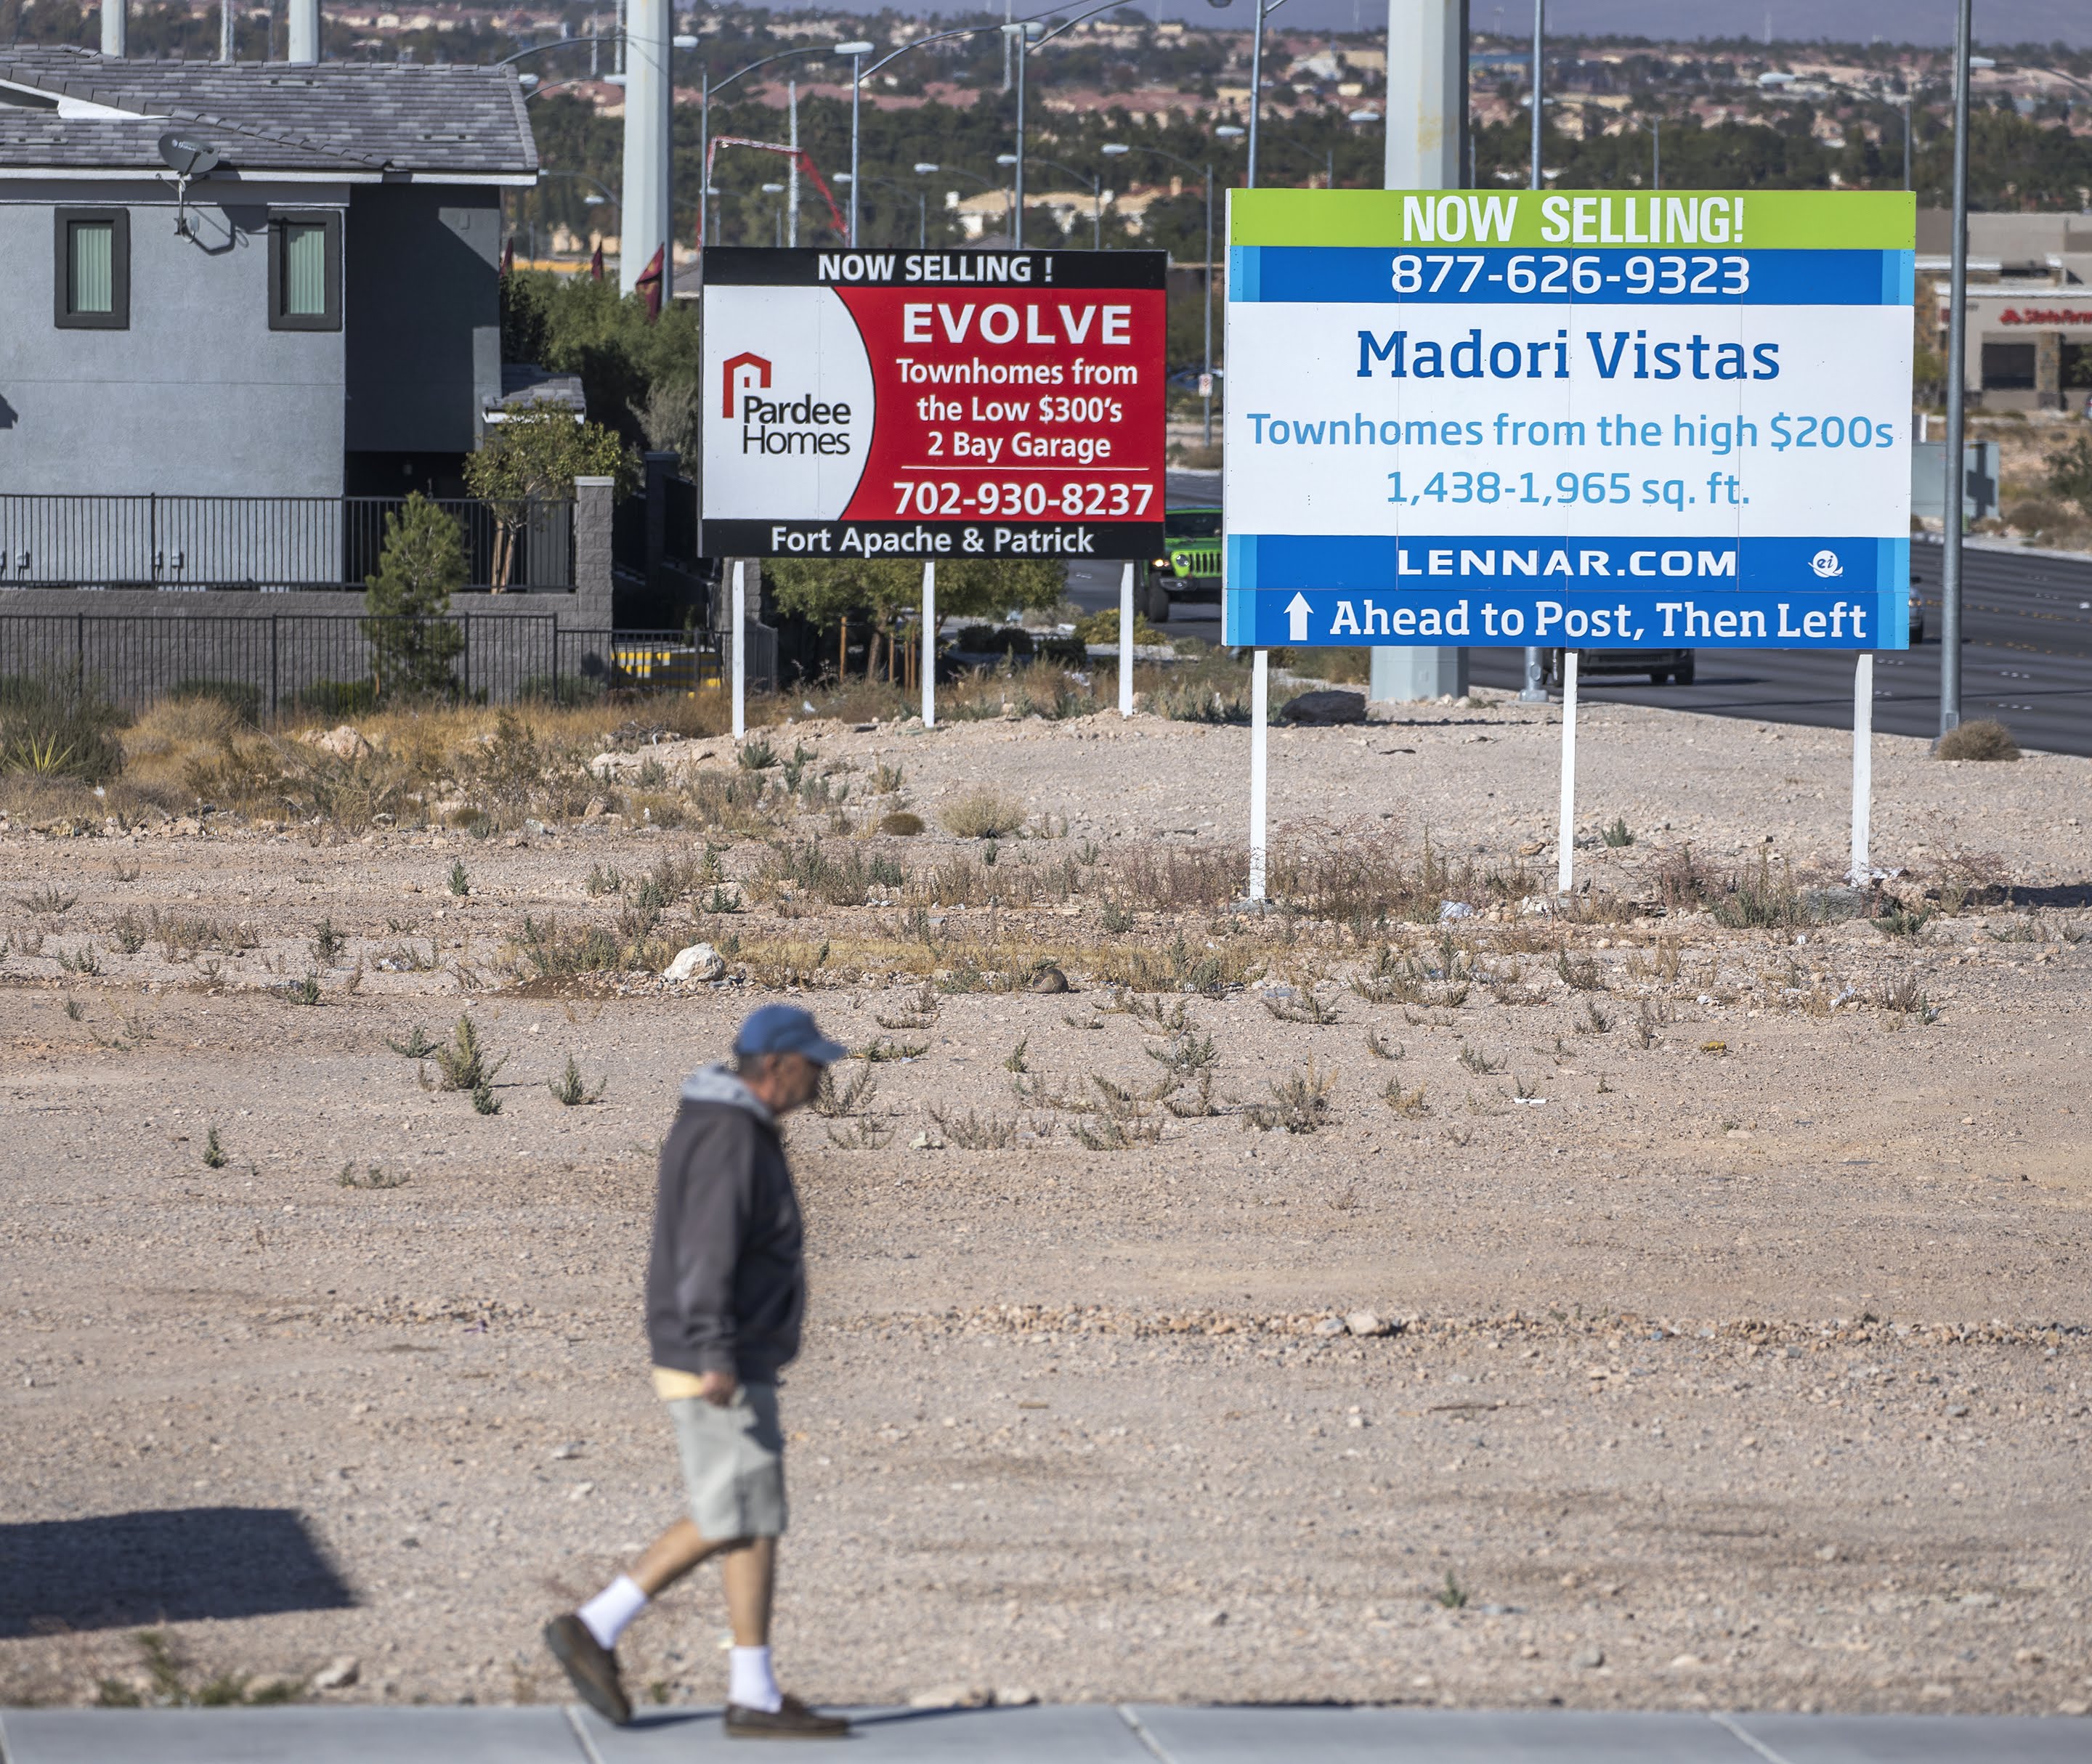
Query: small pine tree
[{"x": 412, "y": 645}]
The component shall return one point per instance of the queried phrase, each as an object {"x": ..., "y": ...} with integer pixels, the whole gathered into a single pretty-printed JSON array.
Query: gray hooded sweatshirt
[{"x": 726, "y": 1285}]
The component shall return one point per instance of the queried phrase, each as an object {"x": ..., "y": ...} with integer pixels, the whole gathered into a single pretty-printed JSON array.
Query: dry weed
[
  {"x": 1299, "y": 1102},
  {"x": 983, "y": 813}
]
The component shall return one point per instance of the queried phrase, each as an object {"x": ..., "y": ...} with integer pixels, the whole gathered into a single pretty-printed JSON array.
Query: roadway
[{"x": 2026, "y": 656}]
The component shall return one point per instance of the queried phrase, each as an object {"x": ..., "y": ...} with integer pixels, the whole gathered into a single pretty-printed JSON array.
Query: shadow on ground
[{"x": 172, "y": 1566}]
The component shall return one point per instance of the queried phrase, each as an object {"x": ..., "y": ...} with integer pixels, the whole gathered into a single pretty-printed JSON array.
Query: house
[
  {"x": 2028, "y": 343},
  {"x": 315, "y": 314}
]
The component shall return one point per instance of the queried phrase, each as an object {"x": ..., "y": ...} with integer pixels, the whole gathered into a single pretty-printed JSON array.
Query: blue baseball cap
[{"x": 785, "y": 1028}]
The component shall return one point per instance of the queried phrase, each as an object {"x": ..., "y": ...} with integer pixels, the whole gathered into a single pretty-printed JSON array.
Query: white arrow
[{"x": 1296, "y": 612}]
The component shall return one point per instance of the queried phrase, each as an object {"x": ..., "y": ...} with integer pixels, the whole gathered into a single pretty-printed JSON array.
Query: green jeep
[{"x": 1192, "y": 569}]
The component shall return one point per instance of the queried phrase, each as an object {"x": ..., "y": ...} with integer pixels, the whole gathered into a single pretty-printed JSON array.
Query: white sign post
[
  {"x": 1565, "y": 855},
  {"x": 1126, "y": 641},
  {"x": 929, "y": 644},
  {"x": 1863, "y": 766},
  {"x": 739, "y": 639},
  {"x": 1259, "y": 680}
]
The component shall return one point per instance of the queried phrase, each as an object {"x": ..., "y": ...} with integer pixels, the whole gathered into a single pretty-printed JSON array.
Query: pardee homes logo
[{"x": 778, "y": 428}]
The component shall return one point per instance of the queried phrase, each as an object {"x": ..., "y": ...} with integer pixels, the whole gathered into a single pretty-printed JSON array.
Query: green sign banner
[{"x": 1754, "y": 220}]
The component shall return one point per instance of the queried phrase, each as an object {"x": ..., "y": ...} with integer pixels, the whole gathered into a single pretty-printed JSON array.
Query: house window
[
  {"x": 91, "y": 289},
  {"x": 305, "y": 272}
]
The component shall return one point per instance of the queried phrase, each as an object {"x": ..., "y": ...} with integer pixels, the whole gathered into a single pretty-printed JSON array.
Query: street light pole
[
  {"x": 1264, "y": 10},
  {"x": 1206, "y": 363},
  {"x": 706, "y": 87},
  {"x": 1950, "y": 586},
  {"x": 1017, "y": 216},
  {"x": 1114, "y": 149},
  {"x": 857, "y": 52}
]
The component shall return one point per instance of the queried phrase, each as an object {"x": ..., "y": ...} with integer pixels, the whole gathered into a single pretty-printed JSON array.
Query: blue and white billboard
[{"x": 1604, "y": 420}]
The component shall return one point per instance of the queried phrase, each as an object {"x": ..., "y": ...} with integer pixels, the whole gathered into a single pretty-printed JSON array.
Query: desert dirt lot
[{"x": 1736, "y": 1261}]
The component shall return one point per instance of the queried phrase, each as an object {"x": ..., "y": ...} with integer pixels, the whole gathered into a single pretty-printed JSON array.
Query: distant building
[
  {"x": 318, "y": 315},
  {"x": 2029, "y": 315}
]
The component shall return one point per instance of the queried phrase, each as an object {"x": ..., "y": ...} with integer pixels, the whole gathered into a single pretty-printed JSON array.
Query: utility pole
[
  {"x": 1427, "y": 128},
  {"x": 1957, "y": 343},
  {"x": 643, "y": 226},
  {"x": 792, "y": 177}
]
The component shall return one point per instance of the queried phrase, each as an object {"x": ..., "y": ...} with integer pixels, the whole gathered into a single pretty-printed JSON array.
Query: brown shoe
[
  {"x": 792, "y": 1720},
  {"x": 591, "y": 1668}
]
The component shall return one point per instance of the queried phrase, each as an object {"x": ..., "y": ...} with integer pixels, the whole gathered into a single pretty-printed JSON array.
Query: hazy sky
[{"x": 1911, "y": 21}]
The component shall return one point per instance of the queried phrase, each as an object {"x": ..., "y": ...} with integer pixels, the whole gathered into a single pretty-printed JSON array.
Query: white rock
[
  {"x": 345, "y": 742},
  {"x": 1588, "y": 1657},
  {"x": 700, "y": 961},
  {"x": 1015, "y": 1696},
  {"x": 1367, "y": 1323},
  {"x": 338, "y": 1674},
  {"x": 1330, "y": 1326},
  {"x": 951, "y": 1697}
]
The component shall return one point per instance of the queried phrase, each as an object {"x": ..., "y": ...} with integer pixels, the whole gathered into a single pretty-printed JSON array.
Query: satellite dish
[{"x": 187, "y": 159}]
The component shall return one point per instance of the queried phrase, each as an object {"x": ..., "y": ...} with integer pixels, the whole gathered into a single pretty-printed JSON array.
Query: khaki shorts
[{"x": 733, "y": 1462}]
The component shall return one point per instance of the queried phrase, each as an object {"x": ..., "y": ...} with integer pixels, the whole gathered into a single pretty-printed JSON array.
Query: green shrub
[{"x": 53, "y": 728}]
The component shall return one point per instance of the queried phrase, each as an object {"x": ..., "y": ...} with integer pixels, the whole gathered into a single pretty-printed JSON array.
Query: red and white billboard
[{"x": 927, "y": 404}]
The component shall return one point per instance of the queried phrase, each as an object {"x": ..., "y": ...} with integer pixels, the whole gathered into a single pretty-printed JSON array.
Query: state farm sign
[
  {"x": 933, "y": 404},
  {"x": 2045, "y": 315}
]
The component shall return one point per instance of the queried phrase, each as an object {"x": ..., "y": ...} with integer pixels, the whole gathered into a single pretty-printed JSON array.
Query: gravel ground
[{"x": 1747, "y": 1366}]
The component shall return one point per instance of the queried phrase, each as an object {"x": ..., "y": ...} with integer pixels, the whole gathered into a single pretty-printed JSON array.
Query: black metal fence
[
  {"x": 274, "y": 664},
  {"x": 263, "y": 542}
]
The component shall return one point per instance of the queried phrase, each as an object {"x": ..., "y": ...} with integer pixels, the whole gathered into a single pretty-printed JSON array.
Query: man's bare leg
[
  {"x": 751, "y": 1574},
  {"x": 672, "y": 1556}
]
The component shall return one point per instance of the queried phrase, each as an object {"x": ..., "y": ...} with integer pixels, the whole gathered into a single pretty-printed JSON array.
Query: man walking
[{"x": 726, "y": 1289}]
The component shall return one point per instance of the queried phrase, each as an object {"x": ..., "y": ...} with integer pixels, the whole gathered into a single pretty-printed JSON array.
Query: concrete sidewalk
[{"x": 1094, "y": 1733}]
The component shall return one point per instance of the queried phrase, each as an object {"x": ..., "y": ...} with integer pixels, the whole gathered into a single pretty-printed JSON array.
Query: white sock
[
  {"x": 607, "y": 1614},
  {"x": 749, "y": 1682}
]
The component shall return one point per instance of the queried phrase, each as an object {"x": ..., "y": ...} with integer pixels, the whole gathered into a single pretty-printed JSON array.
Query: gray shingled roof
[{"x": 269, "y": 116}]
